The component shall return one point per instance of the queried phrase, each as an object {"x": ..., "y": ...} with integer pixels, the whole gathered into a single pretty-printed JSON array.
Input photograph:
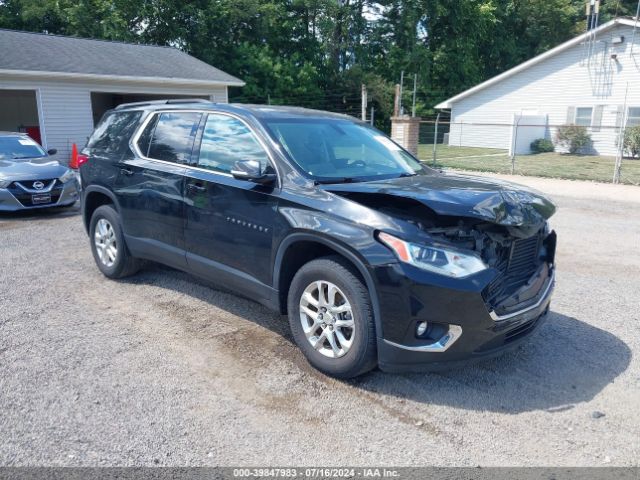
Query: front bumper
[
  {"x": 15, "y": 199},
  {"x": 467, "y": 329}
]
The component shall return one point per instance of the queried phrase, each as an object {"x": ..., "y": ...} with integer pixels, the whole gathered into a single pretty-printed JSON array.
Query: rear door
[
  {"x": 230, "y": 223},
  {"x": 150, "y": 186},
  {"x": 108, "y": 145}
]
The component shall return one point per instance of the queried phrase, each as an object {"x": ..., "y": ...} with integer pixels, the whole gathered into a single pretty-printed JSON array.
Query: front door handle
[
  {"x": 194, "y": 187},
  {"x": 126, "y": 171}
]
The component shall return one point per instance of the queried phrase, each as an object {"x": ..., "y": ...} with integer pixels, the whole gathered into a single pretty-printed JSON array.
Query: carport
[
  {"x": 19, "y": 112},
  {"x": 103, "y": 101}
]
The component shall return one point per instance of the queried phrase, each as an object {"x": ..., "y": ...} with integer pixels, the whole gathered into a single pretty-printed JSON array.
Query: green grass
[{"x": 553, "y": 165}]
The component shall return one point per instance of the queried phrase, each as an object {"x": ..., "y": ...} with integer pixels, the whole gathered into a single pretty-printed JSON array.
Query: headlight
[
  {"x": 5, "y": 183},
  {"x": 66, "y": 176},
  {"x": 451, "y": 263}
]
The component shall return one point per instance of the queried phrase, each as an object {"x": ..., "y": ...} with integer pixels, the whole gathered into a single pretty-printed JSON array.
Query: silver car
[{"x": 30, "y": 178}]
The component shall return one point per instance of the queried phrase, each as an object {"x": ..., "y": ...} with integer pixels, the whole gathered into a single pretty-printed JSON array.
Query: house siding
[
  {"x": 64, "y": 107},
  {"x": 552, "y": 87}
]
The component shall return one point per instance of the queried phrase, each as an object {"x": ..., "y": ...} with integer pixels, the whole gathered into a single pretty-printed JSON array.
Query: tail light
[
  {"x": 78, "y": 160},
  {"x": 82, "y": 159}
]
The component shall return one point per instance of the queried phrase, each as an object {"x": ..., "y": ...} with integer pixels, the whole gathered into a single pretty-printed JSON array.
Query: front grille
[
  {"x": 25, "y": 198},
  {"x": 516, "y": 266},
  {"x": 34, "y": 184}
]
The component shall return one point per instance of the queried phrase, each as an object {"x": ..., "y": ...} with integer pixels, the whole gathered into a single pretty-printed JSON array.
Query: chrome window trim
[
  {"x": 547, "y": 292},
  {"x": 133, "y": 143}
]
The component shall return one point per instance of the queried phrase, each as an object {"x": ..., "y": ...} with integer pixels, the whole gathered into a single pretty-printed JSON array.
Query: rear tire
[
  {"x": 107, "y": 244},
  {"x": 331, "y": 318}
]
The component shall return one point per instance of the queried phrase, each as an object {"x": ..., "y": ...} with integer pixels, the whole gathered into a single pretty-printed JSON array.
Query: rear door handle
[
  {"x": 194, "y": 187},
  {"x": 126, "y": 171}
]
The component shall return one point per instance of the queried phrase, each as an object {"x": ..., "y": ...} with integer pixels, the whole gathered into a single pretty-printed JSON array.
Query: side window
[
  {"x": 172, "y": 137},
  {"x": 583, "y": 116},
  {"x": 633, "y": 119},
  {"x": 226, "y": 140},
  {"x": 114, "y": 131},
  {"x": 144, "y": 141}
]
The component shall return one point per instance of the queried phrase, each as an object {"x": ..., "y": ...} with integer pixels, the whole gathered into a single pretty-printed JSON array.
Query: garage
[
  {"x": 103, "y": 101},
  {"x": 19, "y": 112},
  {"x": 56, "y": 88}
]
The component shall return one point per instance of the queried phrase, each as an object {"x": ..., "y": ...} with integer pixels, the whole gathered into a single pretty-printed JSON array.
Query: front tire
[
  {"x": 107, "y": 244},
  {"x": 331, "y": 318}
]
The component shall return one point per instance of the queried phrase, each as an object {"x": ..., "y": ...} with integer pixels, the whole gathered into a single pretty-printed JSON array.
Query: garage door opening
[
  {"x": 101, "y": 102},
  {"x": 19, "y": 113}
]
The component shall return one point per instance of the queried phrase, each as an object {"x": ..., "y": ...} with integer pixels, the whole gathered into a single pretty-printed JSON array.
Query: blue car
[{"x": 30, "y": 178}]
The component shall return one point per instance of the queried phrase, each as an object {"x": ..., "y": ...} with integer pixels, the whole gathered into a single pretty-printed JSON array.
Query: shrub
[
  {"x": 631, "y": 142},
  {"x": 574, "y": 138},
  {"x": 542, "y": 145}
]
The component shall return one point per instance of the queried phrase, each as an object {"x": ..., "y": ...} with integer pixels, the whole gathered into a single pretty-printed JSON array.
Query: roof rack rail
[{"x": 170, "y": 101}]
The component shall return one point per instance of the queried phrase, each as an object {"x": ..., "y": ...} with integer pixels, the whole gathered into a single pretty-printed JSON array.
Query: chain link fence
[{"x": 528, "y": 145}]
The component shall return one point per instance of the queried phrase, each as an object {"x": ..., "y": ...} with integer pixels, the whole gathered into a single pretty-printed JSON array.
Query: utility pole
[
  {"x": 514, "y": 145},
  {"x": 396, "y": 102},
  {"x": 413, "y": 106},
  {"x": 621, "y": 134},
  {"x": 435, "y": 140},
  {"x": 401, "y": 87},
  {"x": 373, "y": 112},
  {"x": 363, "y": 109}
]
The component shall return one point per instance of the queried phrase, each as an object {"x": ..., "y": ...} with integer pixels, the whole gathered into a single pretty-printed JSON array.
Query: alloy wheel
[
  {"x": 105, "y": 242},
  {"x": 327, "y": 319}
]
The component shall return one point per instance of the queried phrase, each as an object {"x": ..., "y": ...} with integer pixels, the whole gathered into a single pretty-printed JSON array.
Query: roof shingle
[{"x": 39, "y": 52}]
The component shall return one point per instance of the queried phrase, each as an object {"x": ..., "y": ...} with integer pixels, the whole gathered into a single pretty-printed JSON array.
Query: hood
[
  {"x": 496, "y": 201},
  {"x": 31, "y": 169}
]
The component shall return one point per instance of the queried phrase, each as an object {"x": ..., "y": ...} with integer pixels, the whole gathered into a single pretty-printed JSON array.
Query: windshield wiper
[
  {"x": 326, "y": 181},
  {"x": 402, "y": 175}
]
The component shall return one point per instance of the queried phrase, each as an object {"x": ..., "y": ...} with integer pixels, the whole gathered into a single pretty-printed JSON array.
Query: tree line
[{"x": 317, "y": 53}]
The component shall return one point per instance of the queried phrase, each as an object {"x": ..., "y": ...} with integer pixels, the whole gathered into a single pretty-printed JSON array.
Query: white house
[
  {"x": 56, "y": 88},
  {"x": 592, "y": 80}
]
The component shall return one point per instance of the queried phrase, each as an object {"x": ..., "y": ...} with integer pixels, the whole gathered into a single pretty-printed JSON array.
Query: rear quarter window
[
  {"x": 169, "y": 136},
  {"x": 114, "y": 131}
]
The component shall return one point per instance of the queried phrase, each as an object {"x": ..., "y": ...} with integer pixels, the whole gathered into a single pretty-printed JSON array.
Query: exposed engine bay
[
  {"x": 517, "y": 252},
  {"x": 486, "y": 238}
]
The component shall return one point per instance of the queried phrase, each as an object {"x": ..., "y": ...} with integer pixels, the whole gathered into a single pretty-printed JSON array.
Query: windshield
[
  {"x": 17, "y": 147},
  {"x": 340, "y": 150}
]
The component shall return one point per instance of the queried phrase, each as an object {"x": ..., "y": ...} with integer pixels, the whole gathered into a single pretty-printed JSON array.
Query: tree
[{"x": 316, "y": 53}]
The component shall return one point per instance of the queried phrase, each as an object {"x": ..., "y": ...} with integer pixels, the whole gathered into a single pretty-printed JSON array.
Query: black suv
[{"x": 377, "y": 259}]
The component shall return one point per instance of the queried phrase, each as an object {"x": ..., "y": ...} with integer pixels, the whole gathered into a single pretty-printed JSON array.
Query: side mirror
[
  {"x": 52, "y": 151},
  {"x": 252, "y": 171}
]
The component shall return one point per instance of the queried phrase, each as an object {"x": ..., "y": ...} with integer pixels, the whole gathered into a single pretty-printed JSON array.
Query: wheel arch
[
  {"x": 300, "y": 248},
  {"x": 94, "y": 197}
]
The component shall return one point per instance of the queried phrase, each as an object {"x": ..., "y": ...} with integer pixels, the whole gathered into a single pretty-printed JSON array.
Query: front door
[
  {"x": 150, "y": 187},
  {"x": 229, "y": 223}
]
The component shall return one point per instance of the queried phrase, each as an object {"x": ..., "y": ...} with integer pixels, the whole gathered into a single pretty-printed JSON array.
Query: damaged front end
[
  {"x": 523, "y": 259},
  {"x": 516, "y": 244},
  {"x": 474, "y": 272}
]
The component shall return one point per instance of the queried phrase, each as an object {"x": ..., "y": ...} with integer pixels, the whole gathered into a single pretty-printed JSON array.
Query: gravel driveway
[{"x": 162, "y": 370}]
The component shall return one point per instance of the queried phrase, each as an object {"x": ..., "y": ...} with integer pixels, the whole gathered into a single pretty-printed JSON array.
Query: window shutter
[
  {"x": 596, "y": 123},
  {"x": 619, "y": 116},
  {"x": 571, "y": 115}
]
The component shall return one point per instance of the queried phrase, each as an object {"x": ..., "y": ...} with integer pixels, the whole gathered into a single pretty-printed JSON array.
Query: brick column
[{"x": 405, "y": 130}]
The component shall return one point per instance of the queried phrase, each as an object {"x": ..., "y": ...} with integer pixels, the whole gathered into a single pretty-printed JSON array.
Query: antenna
[
  {"x": 635, "y": 27},
  {"x": 593, "y": 19}
]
